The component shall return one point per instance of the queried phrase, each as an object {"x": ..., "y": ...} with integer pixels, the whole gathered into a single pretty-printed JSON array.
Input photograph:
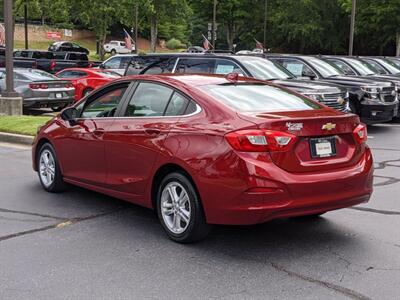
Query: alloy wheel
[
  {"x": 175, "y": 207},
  {"x": 47, "y": 168}
]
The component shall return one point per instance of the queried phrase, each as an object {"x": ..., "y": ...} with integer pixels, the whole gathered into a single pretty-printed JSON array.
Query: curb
[{"x": 16, "y": 138}]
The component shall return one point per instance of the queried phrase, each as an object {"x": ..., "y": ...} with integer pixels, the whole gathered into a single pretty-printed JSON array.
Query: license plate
[
  {"x": 59, "y": 95},
  {"x": 323, "y": 147}
]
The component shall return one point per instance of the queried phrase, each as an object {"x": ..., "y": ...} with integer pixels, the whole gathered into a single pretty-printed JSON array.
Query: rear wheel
[
  {"x": 113, "y": 52},
  {"x": 179, "y": 209},
  {"x": 49, "y": 170}
]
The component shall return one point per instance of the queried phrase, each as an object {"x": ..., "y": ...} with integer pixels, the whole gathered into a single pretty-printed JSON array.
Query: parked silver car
[{"x": 40, "y": 89}]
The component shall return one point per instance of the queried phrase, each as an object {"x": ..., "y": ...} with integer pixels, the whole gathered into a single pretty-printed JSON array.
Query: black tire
[
  {"x": 87, "y": 92},
  {"x": 58, "y": 184},
  {"x": 310, "y": 217},
  {"x": 113, "y": 52},
  {"x": 197, "y": 228},
  {"x": 58, "y": 108}
]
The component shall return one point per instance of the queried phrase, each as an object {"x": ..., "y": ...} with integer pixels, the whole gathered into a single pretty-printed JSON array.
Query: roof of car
[{"x": 190, "y": 79}]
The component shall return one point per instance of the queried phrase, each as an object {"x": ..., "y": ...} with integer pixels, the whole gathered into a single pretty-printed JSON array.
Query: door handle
[{"x": 152, "y": 131}]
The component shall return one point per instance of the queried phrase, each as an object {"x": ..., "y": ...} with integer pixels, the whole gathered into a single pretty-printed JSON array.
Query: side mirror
[
  {"x": 69, "y": 114},
  {"x": 308, "y": 74}
]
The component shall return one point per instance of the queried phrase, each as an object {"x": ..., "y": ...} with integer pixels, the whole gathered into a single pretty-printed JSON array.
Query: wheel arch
[{"x": 163, "y": 171}]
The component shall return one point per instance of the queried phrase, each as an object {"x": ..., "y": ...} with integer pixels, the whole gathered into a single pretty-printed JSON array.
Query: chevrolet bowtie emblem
[{"x": 329, "y": 126}]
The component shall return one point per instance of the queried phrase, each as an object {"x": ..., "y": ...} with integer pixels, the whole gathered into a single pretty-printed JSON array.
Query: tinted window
[
  {"x": 125, "y": 61},
  {"x": 139, "y": 64},
  {"x": 392, "y": 69},
  {"x": 296, "y": 67},
  {"x": 105, "y": 105},
  {"x": 194, "y": 66},
  {"x": 362, "y": 67},
  {"x": 36, "y": 75},
  {"x": 258, "y": 98},
  {"x": 113, "y": 63},
  {"x": 161, "y": 67},
  {"x": 224, "y": 66},
  {"x": 150, "y": 99},
  {"x": 177, "y": 105}
]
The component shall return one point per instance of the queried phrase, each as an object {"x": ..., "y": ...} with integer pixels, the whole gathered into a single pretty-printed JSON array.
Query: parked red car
[
  {"x": 207, "y": 150},
  {"x": 87, "y": 80}
]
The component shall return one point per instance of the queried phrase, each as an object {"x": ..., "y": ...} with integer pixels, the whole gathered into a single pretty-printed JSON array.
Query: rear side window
[
  {"x": 149, "y": 100},
  {"x": 224, "y": 66},
  {"x": 177, "y": 105},
  {"x": 194, "y": 66},
  {"x": 139, "y": 64},
  {"x": 258, "y": 98},
  {"x": 164, "y": 66},
  {"x": 342, "y": 66}
]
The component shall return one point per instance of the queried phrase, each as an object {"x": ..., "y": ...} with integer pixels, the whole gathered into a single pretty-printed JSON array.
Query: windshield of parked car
[
  {"x": 324, "y": 68},
  {"x": 36, "y": 75},
  {"x": 253, "y": 97},
  {"x": 392, "y": 69},
  {"x": 391, "y": 65},
  {"x": 264, "y": 69},
  {"x": 362, "y": 67}
]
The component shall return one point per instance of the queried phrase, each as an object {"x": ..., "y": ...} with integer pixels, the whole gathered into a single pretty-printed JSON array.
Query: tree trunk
[
  {"x": 398, "y": 44},
  {"x": 102, "y": 40},
  {"x": 153, "y": 33}
]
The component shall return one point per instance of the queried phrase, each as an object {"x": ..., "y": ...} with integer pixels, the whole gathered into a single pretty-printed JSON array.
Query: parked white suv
[{"x": 119, "y": 47}]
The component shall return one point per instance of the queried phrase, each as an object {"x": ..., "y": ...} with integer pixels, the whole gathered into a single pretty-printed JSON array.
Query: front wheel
[
  {"x": 49, "y": 170},
  {"x": 179, "y": 209}
]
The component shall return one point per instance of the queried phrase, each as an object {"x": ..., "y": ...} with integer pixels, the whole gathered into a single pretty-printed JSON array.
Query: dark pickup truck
[{"x": 51, "y": 62}]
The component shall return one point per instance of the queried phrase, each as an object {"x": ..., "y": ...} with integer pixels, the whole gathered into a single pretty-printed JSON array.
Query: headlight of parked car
[{"x": 372, "y": 92}]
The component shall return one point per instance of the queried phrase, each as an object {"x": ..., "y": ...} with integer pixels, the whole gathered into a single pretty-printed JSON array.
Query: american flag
[
  {"x": 128, "y": 41},
  {"x": 259, "y": 45},
  {"x": 2, "y": 35},
  {"x": 206, "y": 44}
]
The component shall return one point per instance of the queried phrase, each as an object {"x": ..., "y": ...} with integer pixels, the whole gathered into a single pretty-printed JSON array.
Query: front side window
[
  {"x": 296, "y": 67},
  {"x": 255, "y": 97},
  {"x": 149, "y": 100},
  {"x": 104, "y": 105},
  {"x": 194, "y": 66}
]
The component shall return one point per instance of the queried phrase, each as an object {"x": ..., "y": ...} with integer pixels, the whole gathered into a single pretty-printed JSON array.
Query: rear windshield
[
  {"x": 258, "y": 98},
  {"x": 36, "y": 75}
]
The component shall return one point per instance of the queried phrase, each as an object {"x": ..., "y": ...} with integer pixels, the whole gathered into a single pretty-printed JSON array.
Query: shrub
[{"x": 174, "y": 44}]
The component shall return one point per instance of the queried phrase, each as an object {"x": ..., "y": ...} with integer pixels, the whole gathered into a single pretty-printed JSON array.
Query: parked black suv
[
  {"x": 383, "y": 65},
  {"x": 190, "y": 63},
  {"x": 375, "y": 101}
]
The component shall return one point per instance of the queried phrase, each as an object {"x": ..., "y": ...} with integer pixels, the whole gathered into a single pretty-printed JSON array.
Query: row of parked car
[{"x": 367, "y": 86}]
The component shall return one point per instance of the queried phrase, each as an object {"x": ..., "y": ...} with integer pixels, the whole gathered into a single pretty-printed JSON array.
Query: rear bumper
[
  {"x": 378, "y": 113},
  {"x": 47, "y": 102},
  {"x": 292, "y": 194}
]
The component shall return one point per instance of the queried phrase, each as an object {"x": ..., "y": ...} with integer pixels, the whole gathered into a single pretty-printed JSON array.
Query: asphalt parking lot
[{"x": 83, "y": 245}]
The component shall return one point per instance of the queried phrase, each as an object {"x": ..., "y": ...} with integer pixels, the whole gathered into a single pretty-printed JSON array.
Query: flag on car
[
  {"x": 206, "y": 44},
  {"x": 2, "y": 35},
  {"x": 128, "y": 41},
  {"x": 259, "y": 45}
]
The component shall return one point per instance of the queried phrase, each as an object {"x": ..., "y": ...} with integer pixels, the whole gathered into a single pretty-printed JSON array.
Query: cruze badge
[
  {"x": 329, "y": 126},
  {"x": 294, "y": 126}
]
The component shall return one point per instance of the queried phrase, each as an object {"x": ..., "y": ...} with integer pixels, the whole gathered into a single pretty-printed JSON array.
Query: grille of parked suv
[
  {"x": 332, "y": 100},
  {"x": 388, "y": 94}
]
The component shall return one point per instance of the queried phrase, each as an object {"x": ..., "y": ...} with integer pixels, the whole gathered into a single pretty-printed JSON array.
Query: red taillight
[
  {"x": 360, "y": 133},
  {"x": 37, "y": 86},
  {"x": 260, "y": 140}
]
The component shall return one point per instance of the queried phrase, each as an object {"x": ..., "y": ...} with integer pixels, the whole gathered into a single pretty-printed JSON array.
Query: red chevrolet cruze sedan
[{"x": 207, "y": 150}]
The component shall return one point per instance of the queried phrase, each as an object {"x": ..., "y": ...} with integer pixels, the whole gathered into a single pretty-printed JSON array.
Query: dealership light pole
[
  {"x": 265, "y": 24},
  {"x": 352, "y": 24},
  {"x": 214, "y": 24},
  {"x": 26, "y": 23},
  {"x": 10, "y": 102}
]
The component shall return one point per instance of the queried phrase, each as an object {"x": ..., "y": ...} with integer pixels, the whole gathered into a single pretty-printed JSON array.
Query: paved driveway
[{"x": 83, "y": 245}]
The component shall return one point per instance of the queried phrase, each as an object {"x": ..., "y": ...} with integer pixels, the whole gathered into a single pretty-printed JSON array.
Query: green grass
[{"x": 26, "y": 125}]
